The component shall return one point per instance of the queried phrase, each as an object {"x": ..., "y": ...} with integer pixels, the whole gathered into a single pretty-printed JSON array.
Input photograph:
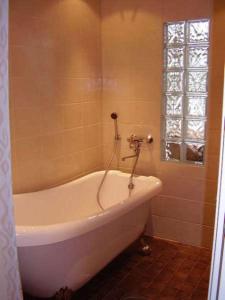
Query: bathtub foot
[
  {"x": 64, "y": 294},
  {"x": 144, "y": 248}
]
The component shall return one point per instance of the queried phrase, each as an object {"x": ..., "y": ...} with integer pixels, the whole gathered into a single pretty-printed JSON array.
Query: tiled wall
[
  {"x": 10, "y": 287},
  {"x": 55, "y": 89},
  {"x": 132, "y": 33}
]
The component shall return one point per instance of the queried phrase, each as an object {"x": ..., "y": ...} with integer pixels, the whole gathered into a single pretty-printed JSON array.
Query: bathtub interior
[{"x": 76, "y": 200}]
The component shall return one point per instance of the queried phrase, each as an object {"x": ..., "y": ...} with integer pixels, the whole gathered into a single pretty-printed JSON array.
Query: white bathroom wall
[{"x": 10, "y": 288}]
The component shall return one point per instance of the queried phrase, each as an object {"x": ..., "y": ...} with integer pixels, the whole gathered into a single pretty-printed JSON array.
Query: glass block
[
  {"x": 195, "y": 129},
  {"x": 172, "y": 151},
  {"x": 197, "y": 82},
  {"x": 198, "y": 31},
  {"x": 186, "y": 61},
  {"x": 174, "y": 105},
  {"x": 174, "y": 81},
  {"x": 197, "y": 57},
  {"x": 173, "y": 128},
  {"x": 175, "y": 33},
  {"x": 174, "y": 58},
  {"x": 195, "y": 152},
  {"x": 196, "y": 106}
]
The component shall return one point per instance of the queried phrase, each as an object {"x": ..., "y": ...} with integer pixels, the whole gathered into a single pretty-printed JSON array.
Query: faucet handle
[
  {"x": 149, "y": 139},
  {"x": 134, "y": 139}
]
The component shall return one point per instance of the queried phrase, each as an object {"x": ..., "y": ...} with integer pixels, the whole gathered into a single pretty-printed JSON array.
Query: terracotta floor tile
[{"x": 172, "y": 272}]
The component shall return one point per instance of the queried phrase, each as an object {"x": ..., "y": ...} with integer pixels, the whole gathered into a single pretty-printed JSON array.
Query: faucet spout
[{"x": 130, "y": 156}]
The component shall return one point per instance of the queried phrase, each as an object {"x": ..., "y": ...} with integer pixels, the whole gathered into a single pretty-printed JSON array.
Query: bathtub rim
[{"x": 38, "y": 235}]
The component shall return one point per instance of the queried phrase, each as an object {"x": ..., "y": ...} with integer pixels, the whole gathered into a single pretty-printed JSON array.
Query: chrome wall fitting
[
  {"x": 135, "y": 143},
  {"x": 135, "y": 139},
  {"x": 145, "y": 246},
  {"x": 114, "y": 116}
]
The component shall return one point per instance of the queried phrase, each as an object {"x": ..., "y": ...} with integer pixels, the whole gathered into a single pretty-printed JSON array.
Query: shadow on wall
[
  {"x": 94, "y": 5},
  {"x": 124, "y": 8},
  {"x": 169, "y": 10}
]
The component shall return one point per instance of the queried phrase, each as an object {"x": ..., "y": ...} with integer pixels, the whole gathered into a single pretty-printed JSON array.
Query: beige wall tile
[
  {"x": 33, "y": 91},
  {"x": 73, "y": 115},
  {"x": 73, "y": 140},
  {"x": 92, "y": 113},
  {"x": 34, "y": 31},
  {"x": 51, "y": 171},
  {"x": 51, "y": 119},
  {"x": 166, "y": 228},
  {"x": 182, "y": 170},
  {"x": 28, "y": 122},
  {"x": 212, "y": 167},
  {"x": 77, "y": 161},
  {"x": 72, "y": 90},
  {"x": 27, "y": 176},
  {"x": 47, "y": 62},
  {"x": 210, "y": 191},
  {"x": 188, "y": 188},
  {"x": 28, "y": 149},
  {"x": 183, "y": 232},
  {"x": 184, "y": 10},
  {"x": 92, "y": 136},
  {"x": 92, "y": 159},
  {"x": 55, "y": 89},
  {"x": 184, "y": 210},
  {"x": 132, "y": 59},
  {"x": 197, "y": 235},
  {"x": 108, "y": 133},
  {"x": 107, "y": 154},
  {"x": 213, "y": 146},
  {"x": 52, "y": 146}
]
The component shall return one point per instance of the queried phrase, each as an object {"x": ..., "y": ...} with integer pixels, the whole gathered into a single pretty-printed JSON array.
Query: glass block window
[{"x": 186, "y": 57}]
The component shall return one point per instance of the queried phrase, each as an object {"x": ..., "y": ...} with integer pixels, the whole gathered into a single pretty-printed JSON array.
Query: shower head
[{"x": 114, "y": 115}]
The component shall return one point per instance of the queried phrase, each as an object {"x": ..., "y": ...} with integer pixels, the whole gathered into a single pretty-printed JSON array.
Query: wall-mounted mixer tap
[
  {"x": 135, "y": 139},
  {"x": 130, "y": 156},
  {"x": 135, "y": 143}
]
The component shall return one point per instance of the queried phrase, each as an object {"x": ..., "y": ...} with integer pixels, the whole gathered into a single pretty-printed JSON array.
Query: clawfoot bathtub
[{"x": 64, "y": 238}]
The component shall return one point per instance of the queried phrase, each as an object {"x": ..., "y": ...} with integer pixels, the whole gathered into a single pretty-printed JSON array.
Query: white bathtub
[{"x": 64, "y": 238}]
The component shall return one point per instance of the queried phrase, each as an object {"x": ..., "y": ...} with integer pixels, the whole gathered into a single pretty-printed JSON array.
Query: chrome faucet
[
  {"x": 134, "y": 139},
  {"x": 137, "y": 152},
  {"x": 135, "y": 143}
]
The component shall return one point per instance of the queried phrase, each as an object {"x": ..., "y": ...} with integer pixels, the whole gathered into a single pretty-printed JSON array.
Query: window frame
[{"x": 185, "y": 94}]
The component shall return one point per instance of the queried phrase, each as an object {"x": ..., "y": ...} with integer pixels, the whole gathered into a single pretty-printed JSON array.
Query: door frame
[{"x": 217, "y": 266}]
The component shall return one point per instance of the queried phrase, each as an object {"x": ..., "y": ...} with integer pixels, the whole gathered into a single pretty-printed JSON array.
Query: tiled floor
[{"x": 172, "y": 271}]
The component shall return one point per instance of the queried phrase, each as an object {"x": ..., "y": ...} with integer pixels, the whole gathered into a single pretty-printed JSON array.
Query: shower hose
[{"x": 115, "y": 148}]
